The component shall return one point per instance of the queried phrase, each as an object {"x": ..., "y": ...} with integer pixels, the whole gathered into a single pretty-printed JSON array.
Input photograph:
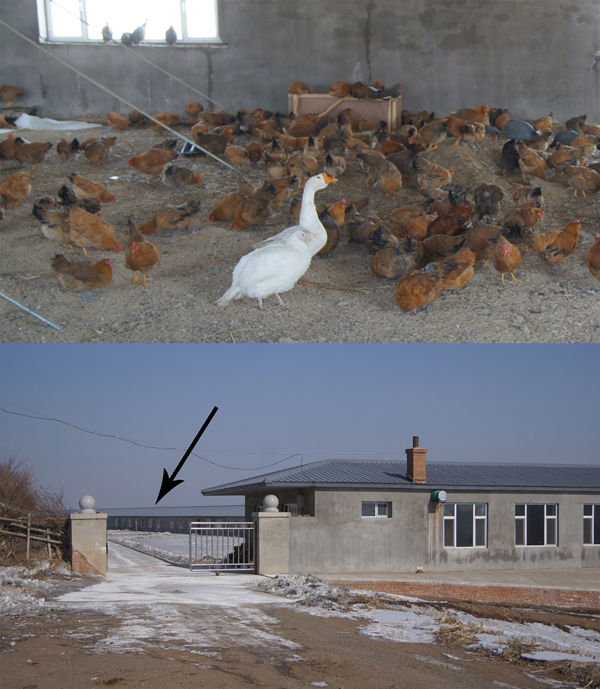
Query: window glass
[
  {"x": 382, "y": 509},
  {"x": 65, "y": 19},
  {"x": 597, "y": 524},
  {"x": 480, "y": 509},
  {"x": 449, "y": 533},
  {"x": 535, "y": 524},
  {"x": 519, "y": 510},
  {"x": 551, "y": 532},
  {"x": 551, "y": 510},
  {"x": 368, "y": 509},
  {"x": 588, "y": 510},
  {"x": 464, "y": 526},
  {"x": 448, "y": 510},
  {"x": 480, "y": 532},
  {"x": 520, "y": 532},
  {"x": 201, "y": 19}
]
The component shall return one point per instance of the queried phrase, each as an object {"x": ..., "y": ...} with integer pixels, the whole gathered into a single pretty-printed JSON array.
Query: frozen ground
[{"x": 156, "y": 604}]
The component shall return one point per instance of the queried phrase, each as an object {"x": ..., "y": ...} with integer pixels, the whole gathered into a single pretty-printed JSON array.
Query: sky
[{"x": 467, "y": 403}]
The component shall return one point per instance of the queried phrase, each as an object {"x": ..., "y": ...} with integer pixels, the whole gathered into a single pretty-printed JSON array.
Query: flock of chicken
[{"x": 430, "y": 247}]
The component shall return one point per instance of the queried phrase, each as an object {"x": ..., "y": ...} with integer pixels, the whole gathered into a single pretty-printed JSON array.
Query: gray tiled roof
[{"x": 344, "y": 473}]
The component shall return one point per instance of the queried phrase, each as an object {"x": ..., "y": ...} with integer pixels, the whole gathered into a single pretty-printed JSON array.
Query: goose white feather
[
  {"x": 271, "y": 269},
  {"x": 308, "y": 222}
]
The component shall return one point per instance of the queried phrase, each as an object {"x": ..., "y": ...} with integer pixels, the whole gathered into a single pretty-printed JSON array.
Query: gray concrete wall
[
  {"x": 530, "y": 56},
  {"x": 338, "y": 539},
  {"x": 89, "y": 554},
  {"x": 272, "y": 542}
]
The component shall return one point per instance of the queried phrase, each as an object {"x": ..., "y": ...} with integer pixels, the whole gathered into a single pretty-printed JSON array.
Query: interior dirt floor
[{"x": 345, "y": 301}]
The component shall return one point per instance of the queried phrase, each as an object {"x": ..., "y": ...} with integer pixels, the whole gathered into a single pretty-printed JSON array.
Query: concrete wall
[
  {"x": 338, "y": 539},
  {"x": 89, "y": 554},
  {"x": 531, "y": 56}
]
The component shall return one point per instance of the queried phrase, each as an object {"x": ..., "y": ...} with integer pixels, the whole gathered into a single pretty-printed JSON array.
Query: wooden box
[{"x": 322, "y": 104}]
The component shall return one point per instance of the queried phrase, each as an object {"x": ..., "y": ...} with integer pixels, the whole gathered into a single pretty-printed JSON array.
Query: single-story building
[
  {"x": 173, "y": 519},
  {"x": 383, "y": 516}
]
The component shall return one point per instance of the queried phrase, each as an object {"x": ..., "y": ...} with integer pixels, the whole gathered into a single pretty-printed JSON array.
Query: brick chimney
[{"x": 415, "y": 462}]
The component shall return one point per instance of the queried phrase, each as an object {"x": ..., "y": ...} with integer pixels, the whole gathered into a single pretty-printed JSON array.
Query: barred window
[
  {"x": 377, "y": 509},
  {"x": 465, "y": 525},
  {"x": 591, "y": 524},
  {"x": 82, "y": 20},
  {"x": 536, "y": 525}
]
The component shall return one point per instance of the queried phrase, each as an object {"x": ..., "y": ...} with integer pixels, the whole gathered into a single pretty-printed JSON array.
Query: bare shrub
[{"x": 23, "y": 502}]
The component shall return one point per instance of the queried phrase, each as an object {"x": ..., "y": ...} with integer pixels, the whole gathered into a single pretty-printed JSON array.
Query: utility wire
[
  {"x": 40, "y": 417},
  {"x": 114, "y": 95},
  {"x": 172, "y": 76}
]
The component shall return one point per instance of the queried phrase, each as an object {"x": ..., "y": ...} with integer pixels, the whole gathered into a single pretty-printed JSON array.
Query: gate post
[
  {"x": 272, "y": 542},
  {"x": 88, "y": 539}
]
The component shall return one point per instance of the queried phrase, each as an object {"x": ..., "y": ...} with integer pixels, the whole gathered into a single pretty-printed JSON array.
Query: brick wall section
[
  {"x": 80, "y": 565},
  {"x": 482, "y": 594},
  {"x": 416, "y": 464}
]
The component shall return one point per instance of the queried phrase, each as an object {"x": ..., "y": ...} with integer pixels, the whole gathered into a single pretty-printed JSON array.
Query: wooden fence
[{"x": 21, "y": 528}]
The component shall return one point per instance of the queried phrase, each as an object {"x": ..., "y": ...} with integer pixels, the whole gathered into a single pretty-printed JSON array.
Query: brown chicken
[
  {"x": 430, "y": 175},
  {"x": 586, "y": 143},
  {"x": 236, "y": 155},
  {"x": 169, "y": 218},
  {"x": 32, "y": 154},
  {"x": 418, "y": 288},
  {"x": 218, "y": 118},
  {"x": 498, "y": 117},
  {"x": 334, "y": 165},
  {"x": 483, "y": 239},
  {"x": 340, "y": 89},
  {"x": 16, "y": 187},
  {"x": 277, "y": 191},
  {"x": 170, "y": 119},
  {"x": 90, "y": 231},
  {"x": 389, "y": 179},
  {"x": 592, "y": 259},
  {"x": 418, "y": 226},
  {"x": 527, "y": 195},
  {"x": 583, "y": 179},
  {"x": 68, "y": 197},
  {"x": 141, "y": 255},
  {"x": 555, "y": 246},
  {"x": 301, "y": 126},
  {"x": 297, "y": 88},
  {"x": 10, "y": 93},
  {"x": 97, "y": 151},
  {"x": 439, "y": 246},
  {"x": 400, "y": 215},
  {"x": 540, "y": 142},
  {"x": 136, "y": 117},
  {"x": 565, "y": 155},
  {"x": 254, "y": 150},
  {"x": 193, "y": 109},
  {"x": 456, "y": 270},
  {"x": 116, "y": 121},
  {"x": 456, "y": 219},
  {"x": 9, "y": 146},
  {"x": 86, "y": 187},
  {"x": 396, "y": 257},
  {"x": 79, "y": 276},
  {"x": 225, "y": 207},
  {"x": 213, "y": 143},
  {"x": 518, "y": 220},
  {"x": 462, "y": 130},
  {"x": 530, "y": 162},
  {"x": 179, "y": 177},
  {"x": 66, "y": 150},
  {"x": 487, "y": 200},
  {"x": 430, "y": 135},
  {"x": 250, "y": 212},
  {"x": 507, "y": 258},
  {"x": 479, "y": 114},
  {"x": 333, "y": 230},
  {"x": 152, "y": 162},
  {"x": 544, "y": 124}
]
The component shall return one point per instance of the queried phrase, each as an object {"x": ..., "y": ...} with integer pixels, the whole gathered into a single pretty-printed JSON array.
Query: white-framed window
[
  {"x": 536, "y": 525},
  {"x": 376, "y": 509},
  {"x": 591, "y": 524},
  {"x": 465, "y": 525},
  {"x": 82, "y": 21}
]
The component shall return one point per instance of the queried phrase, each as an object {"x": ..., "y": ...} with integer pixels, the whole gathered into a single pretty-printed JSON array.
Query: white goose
[
  {"x": 271, "y": 269},
  {"x": 309, "y": 219}
]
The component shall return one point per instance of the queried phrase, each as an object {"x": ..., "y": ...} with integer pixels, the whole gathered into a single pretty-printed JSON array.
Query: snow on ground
[{"x": 154, "y": 602}]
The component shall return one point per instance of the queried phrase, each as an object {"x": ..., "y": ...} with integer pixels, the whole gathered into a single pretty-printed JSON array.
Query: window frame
[
  {"x": 377, "y": 515},
  {"x": 548, "y": 519},
  {"x": 454, "y": 519},
  {"x": 47, "y": 33},
  {"x": 594, "y": 529}
]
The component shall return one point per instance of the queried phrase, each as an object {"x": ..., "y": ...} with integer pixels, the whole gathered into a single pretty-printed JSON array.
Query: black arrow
[{"x": 169, "y": 482}]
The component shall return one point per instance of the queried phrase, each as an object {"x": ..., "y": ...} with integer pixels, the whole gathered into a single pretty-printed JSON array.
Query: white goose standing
[
  {"x": 309, "y": 218},
  {"x": 268, "y": 270}
]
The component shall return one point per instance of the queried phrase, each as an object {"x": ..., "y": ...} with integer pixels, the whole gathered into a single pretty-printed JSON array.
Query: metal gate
[{"x": 222, "y": 546}]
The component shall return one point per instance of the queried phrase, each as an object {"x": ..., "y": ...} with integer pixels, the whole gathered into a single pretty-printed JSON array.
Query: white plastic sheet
[{"x": 44, "y": 123}]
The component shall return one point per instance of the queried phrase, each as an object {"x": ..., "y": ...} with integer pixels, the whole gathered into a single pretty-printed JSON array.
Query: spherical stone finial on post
[
  {"x": 87, "y": 504},
  {"x": 270, "y": 503}
]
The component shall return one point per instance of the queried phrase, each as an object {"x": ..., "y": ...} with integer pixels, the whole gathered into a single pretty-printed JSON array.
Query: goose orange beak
[{"x": 328, "y": 179}]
